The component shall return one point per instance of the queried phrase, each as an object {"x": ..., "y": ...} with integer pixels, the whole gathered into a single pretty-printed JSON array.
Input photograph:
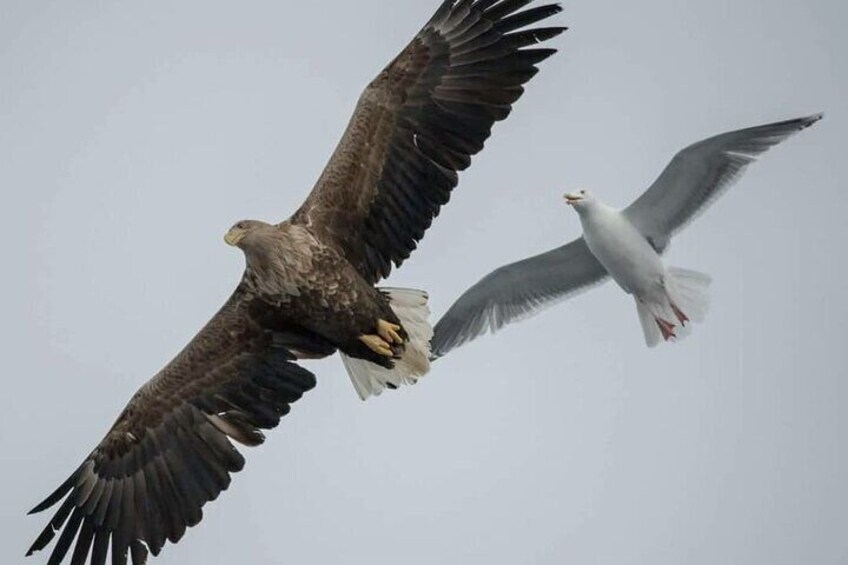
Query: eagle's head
[{"x": 244, "y": 232}]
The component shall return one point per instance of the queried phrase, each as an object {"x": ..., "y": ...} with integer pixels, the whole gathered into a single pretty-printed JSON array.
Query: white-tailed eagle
[{"x": 308, "y": 289}]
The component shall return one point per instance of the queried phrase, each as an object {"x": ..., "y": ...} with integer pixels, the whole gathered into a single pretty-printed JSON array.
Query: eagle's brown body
[
  {"x": 303, "y": 282},
  {"x": 308, "y": 289}
]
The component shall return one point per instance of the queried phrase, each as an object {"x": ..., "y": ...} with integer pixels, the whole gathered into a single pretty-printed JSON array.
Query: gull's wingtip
[
  {"x": 814, "y": 118},
  {"x": 795, "y": 125}
]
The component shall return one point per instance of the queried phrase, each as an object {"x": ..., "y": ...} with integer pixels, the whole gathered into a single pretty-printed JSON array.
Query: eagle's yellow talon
[
  {"x": 377, "y": 344},
  {"x": 389, "y": 332}
]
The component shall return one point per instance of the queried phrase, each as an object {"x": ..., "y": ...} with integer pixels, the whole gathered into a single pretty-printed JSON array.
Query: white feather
[
  {"x": 649, "y": 325},
  {"x": 689, "y": 290},
  {"x": 411, "y": 308}
]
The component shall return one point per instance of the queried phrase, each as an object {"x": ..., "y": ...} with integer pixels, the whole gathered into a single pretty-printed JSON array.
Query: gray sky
[{"x": 133, "y": 134}]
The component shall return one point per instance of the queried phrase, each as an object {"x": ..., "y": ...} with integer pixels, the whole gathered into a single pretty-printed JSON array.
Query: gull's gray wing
[
  {"x": 701, "y": 173},
  {"x": 516, "y": 291}
]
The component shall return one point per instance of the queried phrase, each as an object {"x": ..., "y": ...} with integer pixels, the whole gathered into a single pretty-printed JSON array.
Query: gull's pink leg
[
  {"x": 681, "y": 316},
  {"x": 667, "y": 329}
]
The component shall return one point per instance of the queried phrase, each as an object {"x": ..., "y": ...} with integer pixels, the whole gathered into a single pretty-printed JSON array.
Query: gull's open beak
[
  {"x": 571, "y": 199},
  {"x": 233, "y": 237}
]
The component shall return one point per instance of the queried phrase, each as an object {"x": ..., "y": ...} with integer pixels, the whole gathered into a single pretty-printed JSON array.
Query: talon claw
[
  {"x": 389, "y": 332},
  {"x": 377, "y": 344}
]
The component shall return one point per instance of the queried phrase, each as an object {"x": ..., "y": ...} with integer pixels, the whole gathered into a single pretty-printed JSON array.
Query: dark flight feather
[
  {"x": 418, "y": 124},
  {"x": 164, "y": 459}
]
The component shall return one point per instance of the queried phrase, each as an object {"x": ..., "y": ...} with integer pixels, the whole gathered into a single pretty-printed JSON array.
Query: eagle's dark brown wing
[
  {"x": 418, "y": 123},
  {"x": 169, "y": 452}
]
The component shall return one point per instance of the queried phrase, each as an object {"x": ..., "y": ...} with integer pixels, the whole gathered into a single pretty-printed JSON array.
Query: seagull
[{"x": 626, "y": 245}]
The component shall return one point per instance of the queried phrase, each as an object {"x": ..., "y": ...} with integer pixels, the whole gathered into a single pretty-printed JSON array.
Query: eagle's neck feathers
[{"x": 279, "y": 262}]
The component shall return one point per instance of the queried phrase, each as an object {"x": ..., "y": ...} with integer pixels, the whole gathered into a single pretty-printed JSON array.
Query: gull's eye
[
  {"x": 582, "y": 192},
  {"x": 241, "y": 225}
]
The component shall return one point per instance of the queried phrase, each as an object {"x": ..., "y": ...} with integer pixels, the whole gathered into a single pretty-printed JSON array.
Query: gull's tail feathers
[
  {"x": 689, "y": 291},
  {"x": 686, "y": 300},
  {"x": 412, "y": 310}
]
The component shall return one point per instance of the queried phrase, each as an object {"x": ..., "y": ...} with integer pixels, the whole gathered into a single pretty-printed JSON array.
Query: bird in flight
[
  {"x": 625, "y": 245},
  {"x": 308, "y": 289}
]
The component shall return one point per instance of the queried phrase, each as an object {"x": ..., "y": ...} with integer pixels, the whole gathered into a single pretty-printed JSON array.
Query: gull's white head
[{"x": 580, "y": 199}]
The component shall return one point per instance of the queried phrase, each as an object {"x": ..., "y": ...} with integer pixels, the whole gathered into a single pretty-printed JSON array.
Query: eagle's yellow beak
[{"x": 234, "y": 236}]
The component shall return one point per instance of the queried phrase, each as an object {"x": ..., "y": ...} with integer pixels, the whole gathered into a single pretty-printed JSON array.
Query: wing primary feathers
[
  {"x": 172, "y": 501},
  {"x": 57, "y": 495},
  {"x": 100, "y": 547},
  {"x": 506, "y": 8},
  {"x": 164, "y": 522},
  {"x": 526, "y": 18},
  {"x": 441, "y": 14},
  {"x": 127, "y": 526},
  {"x": 199, "y": 471},
  {"x": 66, "y": 539},
  {"x": 99, "y": 513},
  {"x": 84, "y": 542},
  {"x": 113, "y": 509},
  {"x": 534, "y": 36},
  {"x": 139, "y": 553},
  {"x": 419, "y": 123},
  {"x": 189, "y": 499},
  {"x": 147, "y": 518},
  {"x": 93, "y": 499},
  {"x": 54, "y": 526},
  {"x": 459, "y": 15},
  {"x": 85, "y": 485},
  {"x": 484, "y": 5},
  {"x": 119, "y": 551},
  {"x": 139, "y": 527},
  {"x": 217, "y": 441},
  {"x": 702, "y": 172}
]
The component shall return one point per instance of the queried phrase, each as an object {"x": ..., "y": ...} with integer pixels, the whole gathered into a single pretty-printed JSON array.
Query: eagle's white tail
[
  {"x": 687, "y": 300},
  {"x": 411, "y": 308}
]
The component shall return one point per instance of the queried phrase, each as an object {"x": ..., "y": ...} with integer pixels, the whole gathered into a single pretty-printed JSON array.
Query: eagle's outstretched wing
[
  {"x": 418, "y": 123},
  {"x": 169, "y": 452}
]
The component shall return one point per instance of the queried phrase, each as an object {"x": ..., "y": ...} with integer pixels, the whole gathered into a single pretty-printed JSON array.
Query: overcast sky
[{"x": 132, "y": 134}]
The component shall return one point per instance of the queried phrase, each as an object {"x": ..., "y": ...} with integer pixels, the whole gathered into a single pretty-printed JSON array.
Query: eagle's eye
[{"x": 241, "y": 226}]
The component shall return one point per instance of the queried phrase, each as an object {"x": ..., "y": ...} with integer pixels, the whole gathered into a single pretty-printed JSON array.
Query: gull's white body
[
  {"x": 666, "y": 299},
  {"x": 622, "y": 250}
]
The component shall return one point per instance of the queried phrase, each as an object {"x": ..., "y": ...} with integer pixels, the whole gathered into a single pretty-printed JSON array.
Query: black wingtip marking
[{"x": 815, "y": 118}]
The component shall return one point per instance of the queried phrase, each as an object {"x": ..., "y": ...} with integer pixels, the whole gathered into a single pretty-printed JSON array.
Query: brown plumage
[{"x": 308, "y": 288}]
